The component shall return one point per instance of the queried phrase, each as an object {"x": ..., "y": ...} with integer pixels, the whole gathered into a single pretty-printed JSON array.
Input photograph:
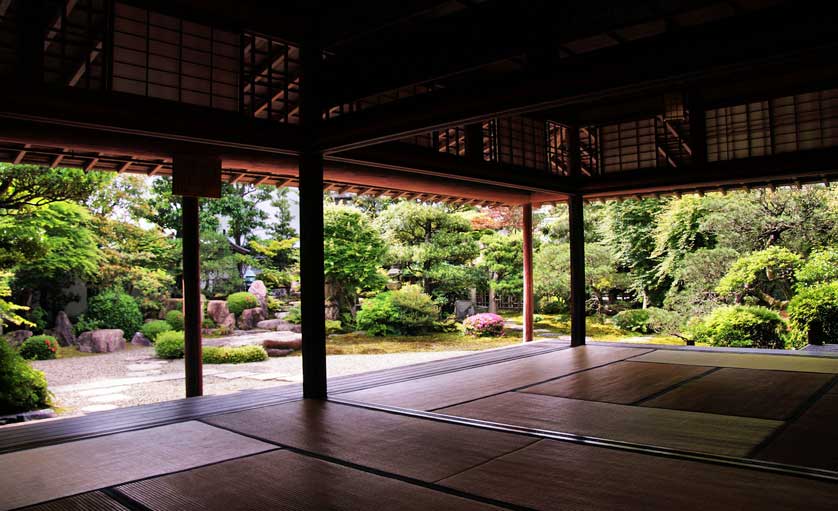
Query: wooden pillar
[
  {"x": 312, "y": 281},
  {"x": 577, "y": 270},
  {"x": 528, "y": 290},
  {"x": 192, "y": 297}
]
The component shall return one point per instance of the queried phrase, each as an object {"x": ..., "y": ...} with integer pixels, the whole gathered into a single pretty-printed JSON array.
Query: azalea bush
[
  {"x": 39, "y": 347},
  {"x": 483, "y": 325}
]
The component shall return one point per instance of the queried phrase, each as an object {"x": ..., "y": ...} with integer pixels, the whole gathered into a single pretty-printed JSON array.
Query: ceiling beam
[{"x": 768, "y": 42}]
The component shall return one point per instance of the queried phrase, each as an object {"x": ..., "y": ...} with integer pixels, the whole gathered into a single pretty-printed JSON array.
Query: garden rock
[
  {"x": 283, "y": 344},
  {"x": 463, "y": 309},
  {"x": 63, "y": 330},
  {"x": 274, "y": 352},
  {"x": 218, "y": 311},
  {"x": 140, "y": 340},
  {"x": 17, "y": 337},
  {"x": 275, "y": 324},
  {"x": 102, "y": 341},
  {"x": 259, "y": 290},
  {"x": 250, "y": 318}
]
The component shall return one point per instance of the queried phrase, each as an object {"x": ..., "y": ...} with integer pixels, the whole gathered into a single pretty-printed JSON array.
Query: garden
[{"x": 90, "y": 269}]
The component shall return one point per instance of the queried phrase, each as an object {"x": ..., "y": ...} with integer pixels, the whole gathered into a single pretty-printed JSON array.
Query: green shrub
[
  {"x": 816, "y": 309},
  {"x": 154, "y": 328},
  {"x": 169, "y": 344},
  {"x": 821, "y": 267},
  {"x": 483, "y": 325},
  {"x": 551, "y": 305},
  {"x": 115, "y": 309},
  {"x": 407, "y": 311},
  {"x": 175, "y": 319},
  {"x": 333, "y": 326},
  {"x": 39, "y": 347},
  {"x": 238, "y": 302},
  {"x": 740, "y": 326},
  {"x": 84, "y": 324},
  {"x": 295, "y": 315},
  {"x": 231, "y": 355},
  {"x": 38, "y": 316},
  {"x": 274, "y": 304},
  {"x": 633, "y": 320},
  {"x": 22, "y": 388},
  {"x": 209, "y": 323}
]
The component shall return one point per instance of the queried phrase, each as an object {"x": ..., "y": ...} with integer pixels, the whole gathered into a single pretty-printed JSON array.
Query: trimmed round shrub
[
  {"x": 238, "y": 302},
  {"x": 406, "y": 311},
  {"x": 154, "y": 328},
  {"x": 814, "y": 310},
  {"x": 234, "y": 355},
  {"x": 651, "y": 320},
  {"x": 175, "y": 319},
  {"x": 741, "y": 326},
  {"x": 22, "y": 388},
  {"x": 115, "y": 309},
  {"x": 483, "y": 325},
  {"x": 39, "y": 347},
  {"x": 169, "y": 344}
]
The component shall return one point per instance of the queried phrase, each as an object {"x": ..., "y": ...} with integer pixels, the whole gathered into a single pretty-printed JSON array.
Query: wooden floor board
[
  {"x": 93, "y": 501},
  {"x": 699, "y": 432},
  {"x": 46, "y": 473},
  {"x": 811, "y": 440},
  {"x": 411, "y": 447},
  {"x": 452, "y": 388},
  {"x": 553, "y": 475},
  {"x": 284, "y": 480},
  {"x": 622, "y": 383},
  {"x": 779, "y": 362},
  {"x": 745, "y": 392}
]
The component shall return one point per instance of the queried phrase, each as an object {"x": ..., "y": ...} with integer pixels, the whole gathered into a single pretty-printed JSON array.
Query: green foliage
[
  {"x": 208, "y": 323},
  {"x": 175, "y": 319},
  {"x": 740, "y": 326},
  {"x": 274, "y": 304},
  {"x": 115, "y": 309},
  {"x": 84, "y": 323},
  {"x": 333, "y": 326},
  {"x": 814, "y": 310},
  {"x": 154, "y": 328},
  {"x": 24, "y": 187},
  {"x": 681, "y": 228},
  {"x": 406, "y": 311},
  {"x": 169, "y": 344},
  {"x": 9, "y": 311},
  {"x": 219, "y": 265},
  {"x": 693, "y": 290},
  {"x": 38, "y": 316},
  {"x": 295, "y": 315},
  {"x": 820, "y": 267},
  {"x": 233, "y": 355},
  {"x": 39, "y": 347},
  {"x": 163, "y": 209},
  {"x": 483, "y": 325},
  {"x": 767, "y": 275},
  {"x": 276, "y": 256},
  {"x": 22, "y": 388},
  {"x": 503, "y": 260},
  {"x": 353, "y": 254},
  {"x": 651, "y": 320},
  {"x": 238, "y": 302}
]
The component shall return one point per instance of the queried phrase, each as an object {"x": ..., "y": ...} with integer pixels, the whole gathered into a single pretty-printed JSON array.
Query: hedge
[{"x": 237, "y": 355}]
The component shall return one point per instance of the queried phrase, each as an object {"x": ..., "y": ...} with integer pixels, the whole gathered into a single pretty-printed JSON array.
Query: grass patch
[{"x": 358, "y": 343}]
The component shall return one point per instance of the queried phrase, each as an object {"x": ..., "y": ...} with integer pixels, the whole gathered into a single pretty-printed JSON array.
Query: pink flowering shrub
[{"x": 483, "y": 325}]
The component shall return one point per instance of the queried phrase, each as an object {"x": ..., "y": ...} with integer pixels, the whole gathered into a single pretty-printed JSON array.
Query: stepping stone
[
  {"x": 102, "y": 392},
  {"x": 98, "y": 408},
  {"x": 110, "y": 398},
  {"x": 144, "y": 366},
  {"x": 235, "y": 374}
]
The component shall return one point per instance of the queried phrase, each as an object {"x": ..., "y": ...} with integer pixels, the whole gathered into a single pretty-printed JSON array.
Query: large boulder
[
  {"x": 102, "y": 341},
  {"x": 463, "y": 309},
  {"x": 218, "y": 311},
  {"x": 63, "y": 330},
  {"x": 272, "y": 352},
  {"x": 279, "y": 325},
  {"x": 259, "y": 290},
  {"x": 140, "y": 340},
  {"x": 250, "y": 318},
  {"x": 17, "y": 337}
]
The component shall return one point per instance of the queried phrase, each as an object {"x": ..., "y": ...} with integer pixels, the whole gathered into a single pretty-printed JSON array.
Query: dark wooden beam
[
  {"x": 761, "y": 44},
  {"x": 577, "y": 270},
  {"x": 529, "y": 306},
  {"x": 192, "y": 297}
]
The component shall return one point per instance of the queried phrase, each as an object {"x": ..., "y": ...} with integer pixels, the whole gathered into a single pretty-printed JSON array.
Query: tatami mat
[
  {"x": 452, "y": 388},
  {"x": 554, "y": 475},
  {"x": 744, "y": 360},
  {"x": 46, "y": 473},
  {"x": 811, "y": 440},
  {"x": 700, "y": 432},
  {"x": 623, "y": 382},
  {"x": 408, "y": 446},
  {"x": 745, "y": 392},
  {"x": 283, "y": 480},
  {"x": 93, "y": 501}
]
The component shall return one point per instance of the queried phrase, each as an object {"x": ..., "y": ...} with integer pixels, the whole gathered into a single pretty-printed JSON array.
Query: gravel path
[{"x": 135, "y": 376}]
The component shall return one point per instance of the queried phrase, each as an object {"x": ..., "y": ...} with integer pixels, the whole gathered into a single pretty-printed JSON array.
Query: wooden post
[
  {"x": 528, "y": 291},
  {"x": 192, "y": 297},
  {"x": 312, "y": 282},
  {"x": 577, "y": 270}
]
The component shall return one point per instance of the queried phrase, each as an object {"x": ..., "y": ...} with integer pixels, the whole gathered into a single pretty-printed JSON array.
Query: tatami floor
[{"x": 537, "y": 426}]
